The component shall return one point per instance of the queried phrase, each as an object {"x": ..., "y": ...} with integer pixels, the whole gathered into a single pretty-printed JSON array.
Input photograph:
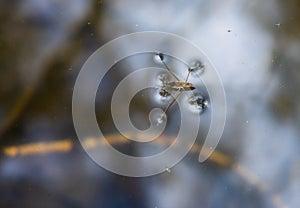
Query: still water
[{"x": 255, "y": 48}]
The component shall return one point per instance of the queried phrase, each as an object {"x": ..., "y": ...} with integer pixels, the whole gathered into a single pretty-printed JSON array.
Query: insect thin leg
[
  {"x": 187, "y": 77},
  {"x": 172, "y": 73},
  {"x": 178, "y": 92}
]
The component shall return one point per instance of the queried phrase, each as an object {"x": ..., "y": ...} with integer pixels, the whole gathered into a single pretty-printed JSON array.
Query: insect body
[{"x": 178, "y": 86}]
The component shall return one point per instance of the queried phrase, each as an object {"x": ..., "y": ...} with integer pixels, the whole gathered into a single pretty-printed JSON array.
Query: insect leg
[
  {"x": 187, "y": 77},
  {"x": 160, "y": 55},
  {"x": 178, "y": 92}
]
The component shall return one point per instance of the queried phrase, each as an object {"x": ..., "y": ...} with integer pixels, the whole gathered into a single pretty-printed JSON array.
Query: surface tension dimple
[
  {"x": 197, "y": 67},
  {"x": 198, "y": 103},
  {"x": 158, "y": 57}
]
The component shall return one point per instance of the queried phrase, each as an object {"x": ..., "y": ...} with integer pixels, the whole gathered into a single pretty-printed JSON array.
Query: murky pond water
[{"x": 255, "y": 48}]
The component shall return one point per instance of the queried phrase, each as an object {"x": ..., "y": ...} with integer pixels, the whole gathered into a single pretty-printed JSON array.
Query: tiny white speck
[
  {"x": 136, "y": 25},
  {"x": 247, "y": 121},
  {"x": 278, "y": 24},
  {"x": 168, "y": 170}
]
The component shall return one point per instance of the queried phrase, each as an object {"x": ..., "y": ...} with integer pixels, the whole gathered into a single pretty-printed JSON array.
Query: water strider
[{"x": 178, "y": 86}]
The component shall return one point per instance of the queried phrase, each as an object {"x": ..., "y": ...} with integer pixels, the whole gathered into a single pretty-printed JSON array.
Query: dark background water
[{"x": 254, "y": 45}]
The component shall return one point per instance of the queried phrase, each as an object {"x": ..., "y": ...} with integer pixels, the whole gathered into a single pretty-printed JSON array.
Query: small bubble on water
[
  {"x": 197, "y": 67},
  {"x": 160, "y": 120},
  {"x": 278, "y": 24},
  {"x": 199, "y": 102},
  {"x": 168, "y": 169}
]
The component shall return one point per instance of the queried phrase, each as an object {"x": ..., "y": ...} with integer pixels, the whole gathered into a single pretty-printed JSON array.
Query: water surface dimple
[
  {"x": 197, "y": 103},
  {"x": 197, "y": 67}
]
